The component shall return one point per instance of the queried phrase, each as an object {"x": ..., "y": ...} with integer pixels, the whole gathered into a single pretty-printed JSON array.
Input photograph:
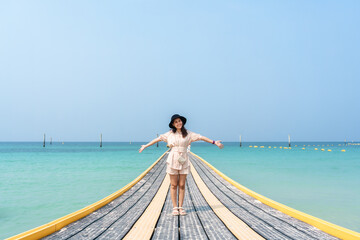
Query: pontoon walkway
[{"x": 217, "y": 207}]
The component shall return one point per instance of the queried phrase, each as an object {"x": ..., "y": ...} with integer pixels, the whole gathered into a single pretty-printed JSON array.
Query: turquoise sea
[{"x": 38, "y": 185}]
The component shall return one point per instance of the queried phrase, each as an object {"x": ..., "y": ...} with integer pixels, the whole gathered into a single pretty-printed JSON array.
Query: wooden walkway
[{"x": 216, "y": 210}]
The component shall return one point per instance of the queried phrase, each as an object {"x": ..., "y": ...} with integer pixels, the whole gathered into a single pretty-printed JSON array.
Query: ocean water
[{"x": 38, "y": 185}]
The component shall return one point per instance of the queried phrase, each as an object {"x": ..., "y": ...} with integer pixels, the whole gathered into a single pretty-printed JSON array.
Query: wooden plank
[
  {"x": 144, "y": 226},
  {"x": 213, "y": 226},
  {"x": 116, "y": 224},
  {"x": 190, "y": 224},
  {"x": 256, "y": 214},
  {"x": 254, "y": 222},
  {"x": 120, "y": 226},
  {"x": 168, "y": 225},
  {"x": 124, "y": 201},
  {"x": 233, "y": 223},
  {"x": 283, "y": 222},
  {"x": 126, "y": 214}
]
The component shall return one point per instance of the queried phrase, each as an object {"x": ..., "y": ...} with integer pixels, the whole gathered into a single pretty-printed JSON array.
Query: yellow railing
[
  {"x": 325, "y": 226},
  {"x": 59, "y": 223}
]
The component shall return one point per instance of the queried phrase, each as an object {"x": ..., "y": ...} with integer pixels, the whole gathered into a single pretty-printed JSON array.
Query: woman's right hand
[
  {"x": 142, "y": 148},
  {"x": 219, "y": 144}
]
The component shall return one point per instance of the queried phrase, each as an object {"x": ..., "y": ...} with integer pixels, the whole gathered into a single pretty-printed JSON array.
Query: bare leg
[
  {"x": 173, "y": 189},
  {"x": 182, "y": 180}
]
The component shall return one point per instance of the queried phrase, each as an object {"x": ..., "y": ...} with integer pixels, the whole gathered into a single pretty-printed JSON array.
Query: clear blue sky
[{"x": 263, "y": 69}]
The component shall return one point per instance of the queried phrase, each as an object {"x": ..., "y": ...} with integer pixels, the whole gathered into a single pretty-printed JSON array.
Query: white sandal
[
  {"x": 175, "y": 211},
  {"x": 182, "y": 211}
]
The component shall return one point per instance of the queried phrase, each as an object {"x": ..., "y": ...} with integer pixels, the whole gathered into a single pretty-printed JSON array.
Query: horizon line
[{"x": 19, "y": 141}]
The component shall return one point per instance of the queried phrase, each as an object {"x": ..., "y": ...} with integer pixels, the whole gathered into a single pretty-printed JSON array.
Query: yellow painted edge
[
  {"x": 145, "y": 225},
  {"x": 239, "y": 228},
  {"x": 56, "y": 225},
  {"x": 323, "y": 225}
]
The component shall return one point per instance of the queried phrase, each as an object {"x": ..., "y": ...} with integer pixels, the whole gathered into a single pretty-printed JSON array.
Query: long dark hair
[{"x": 183, "y": 131}]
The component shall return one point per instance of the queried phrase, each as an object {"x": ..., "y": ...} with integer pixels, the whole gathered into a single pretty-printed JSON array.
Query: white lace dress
[{"x": 179, "y": 146}]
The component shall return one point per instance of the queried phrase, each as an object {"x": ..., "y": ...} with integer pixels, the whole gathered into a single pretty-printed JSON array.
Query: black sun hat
[{"x": 175, "y": 116}]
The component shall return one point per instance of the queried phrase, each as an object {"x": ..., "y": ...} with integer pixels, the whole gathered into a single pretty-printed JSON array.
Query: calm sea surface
[{"x": 38, "y": 185}]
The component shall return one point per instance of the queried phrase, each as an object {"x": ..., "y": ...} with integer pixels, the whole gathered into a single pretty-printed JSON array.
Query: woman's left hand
[{"x": 219, "y": 144}]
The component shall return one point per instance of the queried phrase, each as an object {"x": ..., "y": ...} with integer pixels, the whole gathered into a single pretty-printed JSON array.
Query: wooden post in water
[
  {"x": 157, "y": 144},
  {"x": 289, "y": 141},
  {"x": 240, "y": 141},
  {"x": 51, "y": 141},
  {"x": 44, "y": 141},
  {"x": 100, "y": 139}
]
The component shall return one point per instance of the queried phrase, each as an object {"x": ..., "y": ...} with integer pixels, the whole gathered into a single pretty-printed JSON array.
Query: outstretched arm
[
  {"x": 149, "y": 144},
  {"x": 217, "y": 143}
]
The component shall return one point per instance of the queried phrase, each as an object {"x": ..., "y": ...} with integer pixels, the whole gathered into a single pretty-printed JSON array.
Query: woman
[{"x": 178, "y": 165}]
